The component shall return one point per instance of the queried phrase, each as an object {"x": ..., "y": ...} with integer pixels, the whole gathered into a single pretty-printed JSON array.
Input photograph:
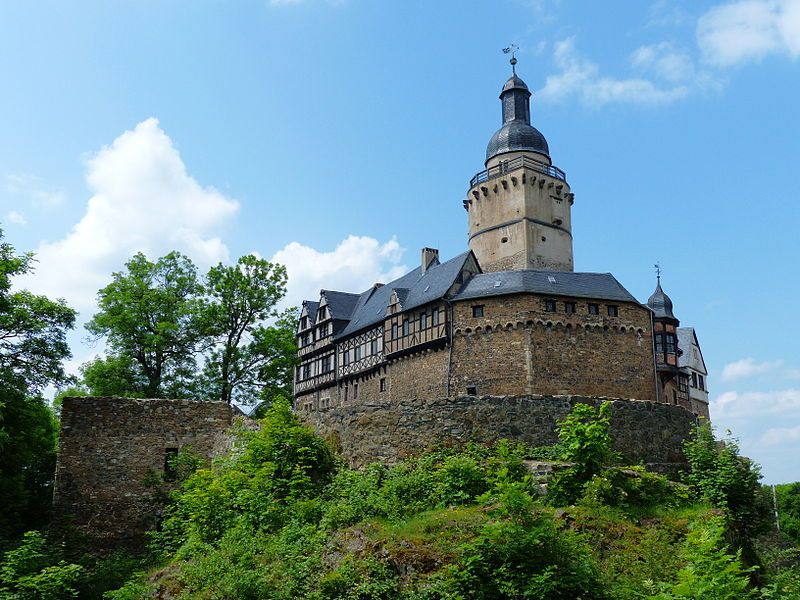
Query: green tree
[
  {"x": 33, "y": 344},
  {"x": 118, "y": 375},
  {"x": 33, "y": 348},
  {"x": 788, "y": 496},
  {"x": 720, "y": 476},
  {"x": 150, "y": 315},
  {"x": 246, "y": 354}
]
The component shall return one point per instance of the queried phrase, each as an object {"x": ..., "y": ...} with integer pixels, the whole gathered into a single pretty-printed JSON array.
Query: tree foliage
[
  {"x": 171, "y": 334},
  {"x": 33, "y": 348},
  {"x": 238, "y": 300},
  {"x": 33, "y": 328},
  {"x": 584, "y": 440},
  {"x": 148, "y": 315},
  {"x": 720, "y": 476}
]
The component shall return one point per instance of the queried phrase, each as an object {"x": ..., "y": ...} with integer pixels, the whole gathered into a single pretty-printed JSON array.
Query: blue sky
[{"x": 339, "y": 137}]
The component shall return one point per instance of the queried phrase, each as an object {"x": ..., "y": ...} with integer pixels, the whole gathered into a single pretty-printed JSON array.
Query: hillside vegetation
[{"x": 283, "y": 518}]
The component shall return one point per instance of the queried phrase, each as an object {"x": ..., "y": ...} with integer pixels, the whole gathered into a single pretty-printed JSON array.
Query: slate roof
[
  {"x": 340, "y": 304},
  {"x": 661, "y": 304},
  {"x": 602, "y": 286},
  {"x": 311, "y": 307},
  {"x": 415, "y": 288}
]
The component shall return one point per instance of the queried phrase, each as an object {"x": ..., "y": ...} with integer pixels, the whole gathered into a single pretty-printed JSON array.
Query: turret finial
[
  {"x": 658, "y": 271},
  {"x": 512, "y": 49}
]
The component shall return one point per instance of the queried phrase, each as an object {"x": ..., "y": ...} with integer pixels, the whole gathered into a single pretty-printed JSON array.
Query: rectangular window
[
  {"x": 477, "y": 311},
  {"x": 435, "y": 317},
  {"x": 674, "y": 397},
  {"x": 594, "y": 309},
  {"x": 170, "y": 466},
  {"x": 659, "y": 344},
  {"x": 326, "y": 364},
  {"x": 613, "y": 310},
  {"x": 405, "y": 326},
  {"x": 670, "y": 339},
  {"x": 357, "y": 353},
  {"x": 355, "y": 391},
  {"x": 394, "y": 331},
  {"x": 694, "y": 379},
  {"x": 569, "y": 307},
  {"x": 306, "y": 371},
  {"x": 383, "y": 384},
  {"x": 346, "y": 358},
  {"x": 303, "y": 322},
  {"x": 701, "y": 382},
  {"x": 346, "y": 392},
  {"x": 373, "y": 347},
  {"x": 472, "y": 390},
  {"x": 423, "y": 320},
  {"x": 550, "y": 306}
]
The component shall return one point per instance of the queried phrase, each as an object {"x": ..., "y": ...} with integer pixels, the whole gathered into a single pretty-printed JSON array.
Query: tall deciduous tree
[
  {"x": 150, "y": 313},
  {"x": 33, "y": 348},
  {"x": 33, "y": 328},
  {"x": 247, "y": 353}
]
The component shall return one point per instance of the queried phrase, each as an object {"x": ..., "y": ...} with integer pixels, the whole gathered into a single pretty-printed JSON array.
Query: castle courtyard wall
[
  {"x": 112, "y": 450},
  {"x": 643, "y": 431}
]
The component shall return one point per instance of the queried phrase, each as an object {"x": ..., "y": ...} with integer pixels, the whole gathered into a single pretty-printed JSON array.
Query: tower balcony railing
[{"x": 507, "y": 166}]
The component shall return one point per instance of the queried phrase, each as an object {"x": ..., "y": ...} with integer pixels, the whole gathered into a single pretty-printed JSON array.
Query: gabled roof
[
  {"x": 687, "y": 337},
  {"x": 340, "y": 304},
  {"x": 601, "y": 286},
  {"x": 311, "y": 310},
  {"x": 420, "y": 288}
]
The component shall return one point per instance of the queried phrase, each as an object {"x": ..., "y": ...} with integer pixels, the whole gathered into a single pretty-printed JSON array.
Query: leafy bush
[
  {"x": 634, "y": 487},
  {"x": 585, "y": 440},
  {"x": 711, "y": 572},
  {"x": 720, "y": 476},
  {"x": 276, "y": 467},
  {"x": 34, "y": 571}
]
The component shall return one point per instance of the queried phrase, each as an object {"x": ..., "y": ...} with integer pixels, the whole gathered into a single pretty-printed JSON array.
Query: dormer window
[
  {"x": 303, "y": 322},
  {"x": 550, "y": 305}
]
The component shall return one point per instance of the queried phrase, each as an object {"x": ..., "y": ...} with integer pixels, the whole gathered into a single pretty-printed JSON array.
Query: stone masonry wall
[
  {"x": 110, "y": 448},
  {"x": 517, "y": 347},
  {"x": 644, "y": 431}
]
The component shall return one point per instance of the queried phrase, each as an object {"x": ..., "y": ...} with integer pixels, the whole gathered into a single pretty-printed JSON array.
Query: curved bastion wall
[{"x": 644, "y": 432}]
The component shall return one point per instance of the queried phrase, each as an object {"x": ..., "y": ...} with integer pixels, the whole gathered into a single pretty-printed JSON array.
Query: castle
[
  {"x": 498, "y": 342},
  {"x": 507, "y": 318}
]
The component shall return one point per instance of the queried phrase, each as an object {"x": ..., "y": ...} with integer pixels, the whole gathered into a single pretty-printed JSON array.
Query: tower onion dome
[
  {"x": 660, "y": 304},
  {"x": 516, "y": 134}
]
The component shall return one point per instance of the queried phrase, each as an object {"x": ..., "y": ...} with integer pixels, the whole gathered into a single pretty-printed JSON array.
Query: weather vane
[
  {"x": 512, "y": 49},
  {"x": 658, "y": 271}
]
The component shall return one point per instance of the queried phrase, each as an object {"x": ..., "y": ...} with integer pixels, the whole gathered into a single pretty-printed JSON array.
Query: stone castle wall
[
  {"x": 111, "y": 450},
  {"x": 516, "y": 348},
  {"x": 644, "y": 431},
  {"x": 519, "y": 348}
]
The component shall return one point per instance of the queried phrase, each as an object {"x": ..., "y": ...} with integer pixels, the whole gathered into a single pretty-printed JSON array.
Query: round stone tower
[{"x": 519, "y": 206}]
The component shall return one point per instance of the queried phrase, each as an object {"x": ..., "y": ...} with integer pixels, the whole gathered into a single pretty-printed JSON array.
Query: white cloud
[
  {"x": 666, "y": 61},
  {"x": 580, "y": 77},
  {"x": 142, "y": 199},
  {"x": 733, "y": 404},
  {"x": 749, "y": 30},
  {"x": 32, "y": 189},
  {"x": 747, "y": 367},
  {"x": 16, "y": 218},
  {"x": 780, "y": 435},
  {"x": 354, "y": 265}
]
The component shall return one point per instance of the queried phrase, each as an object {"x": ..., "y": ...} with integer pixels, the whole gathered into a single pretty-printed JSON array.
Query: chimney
[{"x": 428, "y": 256}]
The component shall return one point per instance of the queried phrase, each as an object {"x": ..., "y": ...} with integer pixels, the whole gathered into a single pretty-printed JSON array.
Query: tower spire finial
[
  {"x": 512, "y": 49},
  {"x": 658, "y": 271}
]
